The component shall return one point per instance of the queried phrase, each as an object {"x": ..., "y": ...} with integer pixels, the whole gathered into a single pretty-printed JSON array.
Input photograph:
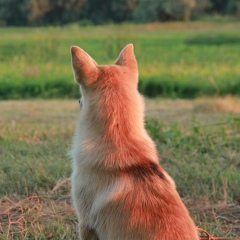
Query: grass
[
  {"x": 175, "y": 59},
  {"x": 198, "y": 143}
]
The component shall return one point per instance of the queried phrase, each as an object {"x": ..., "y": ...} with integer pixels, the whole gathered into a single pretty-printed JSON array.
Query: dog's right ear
[
  {"x": 84, "y": 67},
  {"x": 127, "y": 58}
]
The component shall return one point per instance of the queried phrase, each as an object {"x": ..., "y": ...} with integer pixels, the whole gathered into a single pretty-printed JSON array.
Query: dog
[{"x": 119, "y": 190}]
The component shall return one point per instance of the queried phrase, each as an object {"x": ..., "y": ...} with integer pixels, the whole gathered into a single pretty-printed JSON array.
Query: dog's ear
[
  {"x": 84, "y": 67},
  {"x": 127, "y": 58}
]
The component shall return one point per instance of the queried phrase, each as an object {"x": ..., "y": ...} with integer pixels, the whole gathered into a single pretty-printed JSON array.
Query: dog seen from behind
[{"x": 119, "y": 190}]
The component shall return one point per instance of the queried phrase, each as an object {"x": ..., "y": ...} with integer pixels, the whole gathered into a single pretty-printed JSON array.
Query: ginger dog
[{"x": 119, "y": 190}]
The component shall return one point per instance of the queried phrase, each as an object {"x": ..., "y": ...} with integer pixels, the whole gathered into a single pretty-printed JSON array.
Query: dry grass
[
  {"x": 206, "y": 110},
  {"x": 226, "y": 104},
  {"x": 29, "y": 218}
]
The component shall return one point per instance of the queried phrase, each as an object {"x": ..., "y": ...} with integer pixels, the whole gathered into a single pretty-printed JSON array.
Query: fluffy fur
[{"x": 119, "y": 190}]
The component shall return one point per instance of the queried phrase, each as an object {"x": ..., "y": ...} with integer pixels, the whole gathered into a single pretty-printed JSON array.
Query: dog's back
[{"x": 119, "y": 190}]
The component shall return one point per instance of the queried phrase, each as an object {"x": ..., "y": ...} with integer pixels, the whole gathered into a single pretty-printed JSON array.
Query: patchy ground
[{"x": 35, "y": 136}]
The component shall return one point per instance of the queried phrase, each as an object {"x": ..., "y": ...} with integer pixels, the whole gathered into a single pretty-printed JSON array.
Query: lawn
[
  {"x": 198, "y": 142},
  {"x": 175, "y": 59}
]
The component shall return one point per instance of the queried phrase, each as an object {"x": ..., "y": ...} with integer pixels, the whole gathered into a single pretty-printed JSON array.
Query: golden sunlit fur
[{"x": 119, "y": 190}]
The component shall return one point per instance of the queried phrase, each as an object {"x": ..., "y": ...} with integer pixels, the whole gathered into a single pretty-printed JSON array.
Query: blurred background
[
  {"x": 185, "y": 48},
  {"x": 59, "y": 12}
]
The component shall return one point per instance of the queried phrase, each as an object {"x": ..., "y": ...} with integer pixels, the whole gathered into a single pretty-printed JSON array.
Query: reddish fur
[{"x": 129, "y": 196}]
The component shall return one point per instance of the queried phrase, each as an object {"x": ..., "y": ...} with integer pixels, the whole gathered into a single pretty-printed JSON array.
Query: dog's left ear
[
  {"x": 127, "y": 58},
  {"x": 84, "y": 67}
]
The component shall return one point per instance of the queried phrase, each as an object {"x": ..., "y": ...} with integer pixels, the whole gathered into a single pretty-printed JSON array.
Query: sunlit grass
[{"x": 176, "y": 60}]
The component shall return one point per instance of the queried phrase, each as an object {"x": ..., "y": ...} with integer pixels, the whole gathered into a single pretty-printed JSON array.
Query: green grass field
[
  {"x": 175, "y": 59},
  {"x": 198, "y": 142}
]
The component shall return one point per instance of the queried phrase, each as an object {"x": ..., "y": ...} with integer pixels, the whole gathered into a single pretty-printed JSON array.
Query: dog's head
[
  {"x": 108, "y": 91},
  {"x": 90, "y": 75}
]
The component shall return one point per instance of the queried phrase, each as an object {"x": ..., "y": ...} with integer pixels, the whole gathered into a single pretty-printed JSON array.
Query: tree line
[{"x": 59, "y": 12}]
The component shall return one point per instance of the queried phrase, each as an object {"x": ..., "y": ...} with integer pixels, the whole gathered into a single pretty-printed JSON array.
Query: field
[
  {"x": 198, "y": 142},
  {"x": 175, "y": 59},
  {"x": 192, "y": 70}
]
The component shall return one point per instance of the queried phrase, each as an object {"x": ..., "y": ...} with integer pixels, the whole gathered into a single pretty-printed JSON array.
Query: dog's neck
[
  {"x": 115, "y": 131},
  {"x": 121, "y": 120}
]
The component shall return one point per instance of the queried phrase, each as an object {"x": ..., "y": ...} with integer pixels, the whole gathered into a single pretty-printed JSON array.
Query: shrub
[
  {"x": 156, "y": 10},
  {"x": 234, "y": 8}
]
